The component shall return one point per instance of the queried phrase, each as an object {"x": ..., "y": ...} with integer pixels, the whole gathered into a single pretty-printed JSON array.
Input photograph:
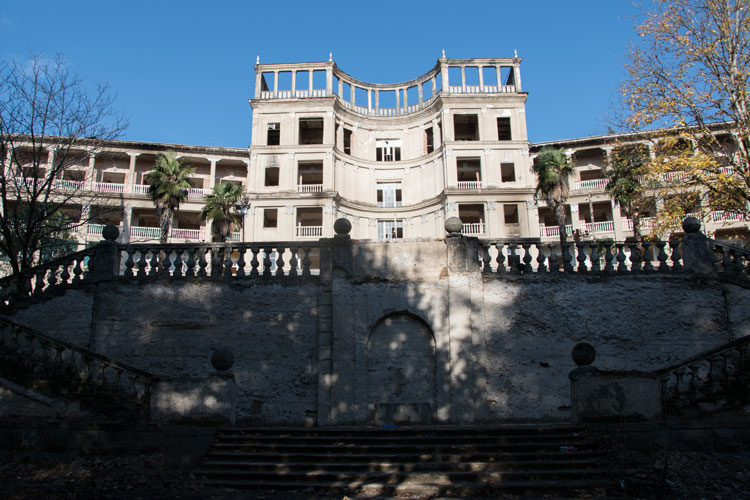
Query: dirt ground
[{"x": 133, "y": 477}]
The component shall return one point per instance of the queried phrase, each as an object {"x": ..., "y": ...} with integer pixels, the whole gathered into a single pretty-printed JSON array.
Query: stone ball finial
[
  {"x": 222, "y": 359},
  {"x": 453, "y": 225},
  {"x": 342, "y": 226},
  {"x": 110, "y": 232},
  {"x": 691, "y": 224},
  {"x": 583, "y": 354}
]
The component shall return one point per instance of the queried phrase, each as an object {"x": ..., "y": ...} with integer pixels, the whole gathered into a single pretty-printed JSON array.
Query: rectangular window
[
  {"x": 503, "y": 129},
  {"x": 388, "y": 150},
  {"x": 311, "y": 131},
  {"x": 274, "y": 134},
  {"x": 511, "y": 213},
  {"x": 347, "y": 141},
  {"x": 465, "y": 127},
  {"x": 429, "y": 140},
  {"x": 270, "y": 217},
  {"x": 390, "y": 229},
  {"x": 507, "y": 172},
  {"x": 389, "y": 194},
  {"x": 272, "y": 176}
]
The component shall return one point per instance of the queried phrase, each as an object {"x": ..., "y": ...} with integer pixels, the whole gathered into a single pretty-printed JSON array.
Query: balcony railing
[
  {"x": 309, "y": 231},
  {"x": 469, "y": 184},
  {"x": 310, "y": 188},
  {"x": 476, "y": 89},
  {"x": 67, "y": 185},
  {"x": 601, "y": 227},
  {"x": 590, "y": 185},
  {"x": 109, "y": 187},
  {"x": 197, "y": 193},
  {"x": 473, "y": 228},
  {"x": 140, "y": 188},
  {"x": 153, "y": 233},
  {"x": 646, "y": 223},
  {"x": 550, "y": 231},
  {"x": 724, "y": 216}
]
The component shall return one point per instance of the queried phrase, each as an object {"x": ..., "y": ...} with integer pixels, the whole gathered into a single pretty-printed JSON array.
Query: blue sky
[{"x": 183, "y": 71}]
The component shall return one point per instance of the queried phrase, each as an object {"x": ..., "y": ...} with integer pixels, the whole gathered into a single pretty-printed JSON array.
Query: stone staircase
[{"x": 430, "y": 460}]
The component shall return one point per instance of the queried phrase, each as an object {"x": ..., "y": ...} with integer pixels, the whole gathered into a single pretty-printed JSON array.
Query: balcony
[
  {"x": 600, "y": 227},
  {"x": 468, "y": 185},
  {"x": 309, "y": 231},
  {"x": 109, "y": 187},
  {"x": 590, "y": 185},
  {"x": 724, "y": 216},
  {"x": 646, "y": 223},
  {"x": 553, "y": 231},
  {"x": 310, "y": 188},
  {"x": 473, "y": 228},
  {"x": 153, "y": 233}
]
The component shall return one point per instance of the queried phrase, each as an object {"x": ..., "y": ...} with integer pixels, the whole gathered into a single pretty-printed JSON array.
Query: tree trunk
[
  {"x": 561, "y": 220},
  {"x": 165, "y": 215}
]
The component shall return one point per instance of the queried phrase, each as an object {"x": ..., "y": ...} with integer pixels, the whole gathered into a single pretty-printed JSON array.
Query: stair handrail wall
[{"x": 126, "y": 387}]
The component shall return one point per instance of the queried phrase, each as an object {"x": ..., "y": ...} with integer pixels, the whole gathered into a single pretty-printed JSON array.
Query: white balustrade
[
  {"x": 473, "y": 228},
  {"x": 67, "y": 185},
  {"x": 646, "y": 223},
  {"x": 235, "y": 236},
  {"x": 154, "y": 233},
  {"x": 600, "y": 227},
  {"x": 724, "y": 216},
  {"x": 109, "y": 187},
  {"x": 550, "y": 231},
  {"x": 310, "y": 188},
  {"x": 140, "y": 188},
  {"x": 469, "y": 184},
  {"x": 95, "y": 229},
  {"x": 309, "y": 231},
  {"x": 197, "y": 193},
  {"x": 590, "y": 185}
]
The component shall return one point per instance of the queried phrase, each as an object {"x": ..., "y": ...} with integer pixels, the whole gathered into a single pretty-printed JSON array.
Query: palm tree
[
  {"x": 219, "y": 205},
  {"x": 552, "y": 168},
  {"x": 628, "y": 165},
  {"x": 169, "y": 182}
]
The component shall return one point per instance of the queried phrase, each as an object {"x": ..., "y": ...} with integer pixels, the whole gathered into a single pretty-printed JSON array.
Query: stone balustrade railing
[
  {"x": 733, "y": 262},
  {"x": 581, "y": 257},
  {"x": 114, "y": 387}
]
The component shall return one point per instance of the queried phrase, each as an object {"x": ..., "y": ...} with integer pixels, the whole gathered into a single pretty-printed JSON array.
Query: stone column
[
  {"x": 617, "y": 221},
  {"x": 463, "y": 76},
  {"x": 499, "y": 77},
  {"x": 517, "y": 77},
  {"x": 481, "y": 79},
  {"x": 50, "y": 162},
  {"x": 275, "y": 83},
  {"x": 131, "y": 172},
  {"x": 89, "y": 181},
  {"x": 127, "y": 217},
  {"x": 329, "y": 80},
  {"x": 294, "y": 83},
  {"x": 377, "y": 100},
  {"x": 532, "y": 217},
  {"x": 574, "y": 220},
  {"x": 212, "y": 178},
  {"x": 258, "y": 79},
  {"x": 419, "y": 93},
  {"x": 398, "y": 99}
]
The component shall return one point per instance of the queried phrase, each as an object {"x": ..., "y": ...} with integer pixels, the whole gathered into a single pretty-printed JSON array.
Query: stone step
[
  {"x": 421, "y": 439},
  {"x": 480, "y": 430}
]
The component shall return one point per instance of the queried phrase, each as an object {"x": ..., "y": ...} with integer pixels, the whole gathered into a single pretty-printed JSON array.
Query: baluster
[
  {"x": 190, "y": 264},
  {"x": 78, "y": 271},
  {"x": 166, "y": 263},
  {"x": 541, "y": 259},
  {"x": 178, "y": 262},
  {"x": 280, "y": 261},
  {"x": 254, "y": 263},
  {"x": 52, "y": 277},
  {"x": 581, "y": 247},
  {"x": 514, "y": 261},
  {"x": 635, "y": 257},
  {"x": 267, "y": 261},
  {"x": 306, "y": 262},
  {"x": 293, "y": 261},
  {"x": 567, "y": 258},
  {"x": 737, "y": 266},
  {"x": 647, "y": 257},
  {"x": 527, "y": 257},
  {"x": 661, "y": 245},
  {"x": 725, "y": 260},
  {"x": 217, "y": 259},
  {"x": 129, "y": 263},
  {"x": 65, "y": 275},
  {"x": 621, "y": 267},
  {"x": 202, "y": 262},
  {"x": 228, "y": 262},
  {"x": 154, "y": 264},
  {"x": 142, "y": 263},
  {"x": 554, "y": 262},
  {"x": 241, "y": 261},
  {"x": 676, "y": 257},
  {"x": 717, "y": 372},
  {"x": 486, "y": 258},
  {"x": 39, "y": 281},
  {"x": 500, "y": 258},
  {"x": 595, "y": 266}
]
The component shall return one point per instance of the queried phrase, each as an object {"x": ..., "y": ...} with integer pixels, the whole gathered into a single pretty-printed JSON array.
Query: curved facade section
[{"x": 396, "y": 159}]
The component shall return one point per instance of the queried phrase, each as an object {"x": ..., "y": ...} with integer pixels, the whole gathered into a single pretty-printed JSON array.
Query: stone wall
[{"x": 393, "y": 332}]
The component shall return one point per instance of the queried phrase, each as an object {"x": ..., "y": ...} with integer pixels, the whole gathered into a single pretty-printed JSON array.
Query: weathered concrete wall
[{"x": 410, "y": 332}]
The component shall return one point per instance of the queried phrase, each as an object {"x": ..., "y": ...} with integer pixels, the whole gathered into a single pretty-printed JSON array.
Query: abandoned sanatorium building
[{"x": 394, "y": 159}]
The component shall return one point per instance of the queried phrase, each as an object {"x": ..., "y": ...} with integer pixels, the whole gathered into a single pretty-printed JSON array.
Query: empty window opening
[
  {"x": 335, "y": 84},
  {"x": 311, "y": 131},
  {"x": 489, "y": 75},
  {"x": 388, "y": 150},
  {"x": 285, "y": 80},
  {"x": 472, "y": 218},
  {"x": 360, "y": 97},
  {"x": 469, "y": 172},
  {"x": 507, "y": 172},
  {"x": 267, "y": 81},
  {"x": 270, "y": 217},
  {"x": 590, "y": 175},
  {"x": 310, "y": 173},
  {"x": 272, "y": 176},
  {"x": 302, "y": 80},
  {"x": 80, "y": 175},
  {"x": 427, "y": 90},
  {"x": 511, "y": 213},
  {"x": 387, "y": 99},
  {"x": 310, "y": 216},
  {"x": 472, "y": 75},
  {"x": 274, "y": 134},
  {"x": 347, "y": 141},
  {"x": 466, "y": 127},
  {"x": 507, "y": 75},
  {"x": 389, "y": 194},
  {"x": 319, "y": 79},
  {"x": 412, "y": 93},
  {"x": 503, "y": 129},
  {"x": 109, "y": 177},
  {"x": 454, "y": 76},
  {"x": 429, "y": 140},
  {"x": 390, "y": 229},
  {"x": 438, "y": 81},
  {"x": 346, "y": 92}
]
